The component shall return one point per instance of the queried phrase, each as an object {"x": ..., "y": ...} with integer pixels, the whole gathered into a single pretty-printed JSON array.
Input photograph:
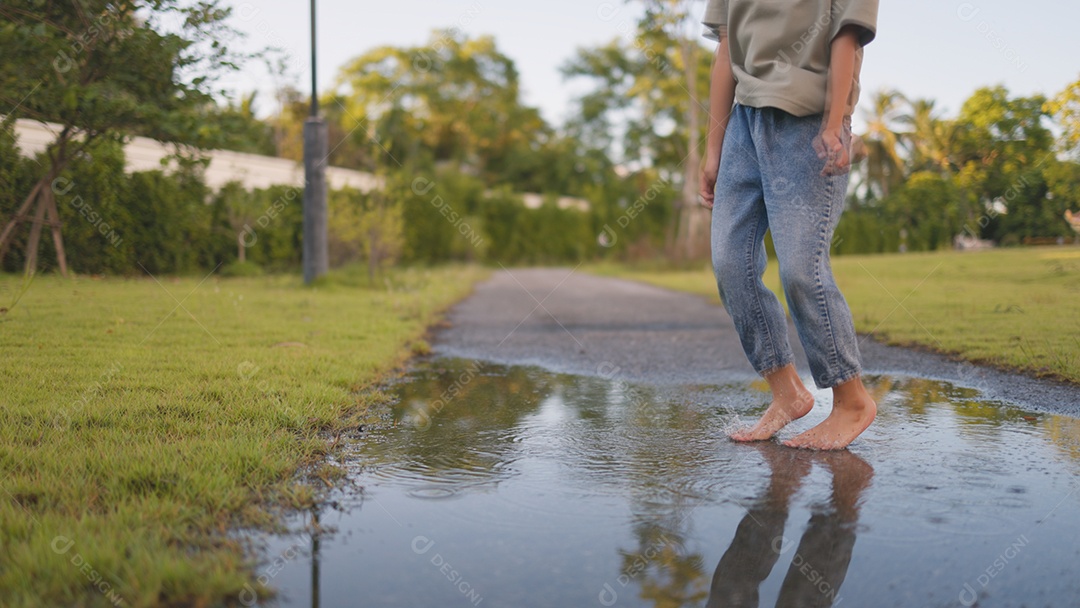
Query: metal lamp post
[{"x": 316, "y": 258}]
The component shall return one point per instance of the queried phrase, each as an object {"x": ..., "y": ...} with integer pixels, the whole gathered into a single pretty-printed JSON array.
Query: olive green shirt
[{"x": 780, "y": 48}]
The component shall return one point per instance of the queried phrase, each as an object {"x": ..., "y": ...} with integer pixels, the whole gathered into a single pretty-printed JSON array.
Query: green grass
[
  {"x": 141, "y": 423},
  {"x": 1012, "y": 308}
]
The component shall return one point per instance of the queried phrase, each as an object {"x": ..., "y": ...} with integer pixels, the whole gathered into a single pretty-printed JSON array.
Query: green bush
[
  {"x": 364, "y": 227},
  {"x": 171, "y": 232},
  {"x": 266, "y": 225},
  {"x": 453, "y": 217},
  {"x": 93, "y": 197},
  {"x": 241, "y": 269},
  {"x": 171, "y": 223}
]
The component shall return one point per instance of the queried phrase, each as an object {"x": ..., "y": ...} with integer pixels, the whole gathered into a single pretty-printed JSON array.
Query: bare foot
[
  {"x": 853, "y": 410},
  {"x": 782, "y": 410}
]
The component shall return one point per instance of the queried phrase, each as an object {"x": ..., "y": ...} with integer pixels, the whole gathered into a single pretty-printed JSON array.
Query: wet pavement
[{"x": 608, "y": 480}]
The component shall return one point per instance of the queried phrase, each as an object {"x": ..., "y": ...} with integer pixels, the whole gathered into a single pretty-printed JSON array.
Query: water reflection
[
  {"x": 536, "y": 489},
  {"x": 820, "y": 562},
  {"x": 316, "y": 532}
]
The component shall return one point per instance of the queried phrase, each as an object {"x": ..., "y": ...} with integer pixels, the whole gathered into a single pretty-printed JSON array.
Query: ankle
[
  {"x": 787, "y": 386},
  {"x": 856, "y": 406},
  {"x": 855, "y": 401}
]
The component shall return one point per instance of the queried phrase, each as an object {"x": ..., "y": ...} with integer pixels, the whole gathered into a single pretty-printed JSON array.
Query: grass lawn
[
  {"x": 1016, "y": 308},
  {"x": 141, "y": 422}
]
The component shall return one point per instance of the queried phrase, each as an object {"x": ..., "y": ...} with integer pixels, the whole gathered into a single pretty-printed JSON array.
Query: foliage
[
  {"x": 1065, "y": 108},
  {"x": 646, "y": 104},
  {"x": 991, "y": 172},
  {"x": 640, "y": 83},
  {"x": 241, "y": 269},
  {"x": 72, "y": 63},
  {"x": 455, "y": 98},
  {"x": 926, "y": 212},
  {"x": 455, "y": 156},
  {"x": 364, "y": 227},
  {"x": 235, "y": 126},
  {"x": 102, "y": 70},
  {"x": 455, "y": 217}
]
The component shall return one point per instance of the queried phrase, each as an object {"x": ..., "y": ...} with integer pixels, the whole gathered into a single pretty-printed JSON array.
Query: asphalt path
[{"x": 568, "y": 321}]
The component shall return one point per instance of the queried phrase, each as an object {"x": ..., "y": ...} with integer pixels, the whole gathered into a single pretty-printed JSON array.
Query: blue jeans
[{"x": 770, "y": 179}]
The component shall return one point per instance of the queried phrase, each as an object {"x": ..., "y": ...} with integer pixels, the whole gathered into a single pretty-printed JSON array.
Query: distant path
[{"x": 568, "y": 321}]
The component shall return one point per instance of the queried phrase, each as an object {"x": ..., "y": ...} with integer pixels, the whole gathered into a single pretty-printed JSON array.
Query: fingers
[
  {"x": 843, "y": 161},
  {"x": 707, "y": 196},
  {"x": 708, "y": 190},
  {"x": 837, "y": 164},
  {"x": 835, "y": 154}
]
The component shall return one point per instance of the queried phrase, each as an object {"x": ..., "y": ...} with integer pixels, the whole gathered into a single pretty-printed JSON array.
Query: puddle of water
[{"x": 512, "y": 486}]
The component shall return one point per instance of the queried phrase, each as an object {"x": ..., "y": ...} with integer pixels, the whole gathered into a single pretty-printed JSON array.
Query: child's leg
[
  {"x": 739, "y": 223},
  {"x": 804, "y": 208}
]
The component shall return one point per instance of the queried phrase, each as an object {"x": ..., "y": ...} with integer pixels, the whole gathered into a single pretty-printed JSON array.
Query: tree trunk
[
  {"x": 20, "y": 216},
  {"x": 49, "y": 200},
  {"x": 693, "y": 236},
  {"x": 35, "y": 236},
  {"x": 42, "y": 194}
]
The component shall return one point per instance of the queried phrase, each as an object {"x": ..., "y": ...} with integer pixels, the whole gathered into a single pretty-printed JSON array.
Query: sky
[{"x": 937, "y": 49}]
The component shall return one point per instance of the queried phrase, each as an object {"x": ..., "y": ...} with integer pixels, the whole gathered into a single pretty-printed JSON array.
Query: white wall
[{"x": 251, "y": 170}]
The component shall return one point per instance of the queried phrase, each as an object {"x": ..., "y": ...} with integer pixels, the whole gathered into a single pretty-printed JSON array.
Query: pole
[
  {"x": 315, "y": 254},
  {"x": 314, "y": 85}
]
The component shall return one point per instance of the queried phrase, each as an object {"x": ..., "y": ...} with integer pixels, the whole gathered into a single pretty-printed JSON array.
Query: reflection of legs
[
  {"x": 754, "y": 550},
  {"x": 820, "y": 564},
  {"x": 748, "y": 560}
]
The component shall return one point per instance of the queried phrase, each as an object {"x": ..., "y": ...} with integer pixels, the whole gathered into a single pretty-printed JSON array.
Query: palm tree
[
  {"x": 884, "y": 169},
  {"x": 928, "y": 137}
]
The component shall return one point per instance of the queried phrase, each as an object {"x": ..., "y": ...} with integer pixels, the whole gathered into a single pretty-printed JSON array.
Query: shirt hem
[{"x": 791, "y": 107}]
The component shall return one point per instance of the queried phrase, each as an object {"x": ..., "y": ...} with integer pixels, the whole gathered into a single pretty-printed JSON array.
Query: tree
[
  {"x": 926, "y": 210},
  {"x": 884, "y": 170},
  {"x": 1063, "y": 184},
  {"x": 237, "y": 128},
  {"x": 104, "y": 69},
  {"x": 928, "y": 138},
  {"x": 1000, "y": 149},
  {"x": 678, "y": 21},
  {"x": 1065, "y": 108},
  {"x": 453, "y": 100},
  {"x": 650, "y": 86},
  {"x": 241, "y": 212}
]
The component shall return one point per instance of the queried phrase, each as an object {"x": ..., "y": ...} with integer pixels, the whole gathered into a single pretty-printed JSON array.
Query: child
[{"x": 784, "y": 85}]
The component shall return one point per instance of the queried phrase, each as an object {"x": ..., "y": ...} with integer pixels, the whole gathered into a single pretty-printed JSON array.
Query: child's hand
[
  {"x": 834, "y": 147},
  {"x": 708, "y": 181}
]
